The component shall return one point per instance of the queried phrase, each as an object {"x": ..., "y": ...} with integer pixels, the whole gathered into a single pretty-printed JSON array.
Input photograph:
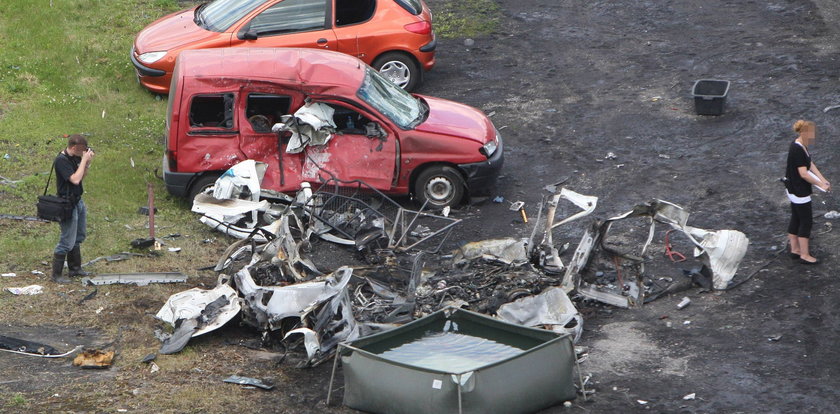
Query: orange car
[{"x": 393, "y": 36}]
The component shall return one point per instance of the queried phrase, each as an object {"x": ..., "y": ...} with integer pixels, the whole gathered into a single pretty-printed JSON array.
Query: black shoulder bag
[{"x": 54, "y": 207}]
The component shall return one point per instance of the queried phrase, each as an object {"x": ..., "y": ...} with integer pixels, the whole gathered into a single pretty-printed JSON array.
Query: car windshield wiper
[{"x": 199, "y": 21}]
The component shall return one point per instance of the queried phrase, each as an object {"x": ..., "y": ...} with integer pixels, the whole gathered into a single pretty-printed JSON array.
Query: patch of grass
[
  {"x": 464, "y": 18},
  {"x": 17, "y": 400}
]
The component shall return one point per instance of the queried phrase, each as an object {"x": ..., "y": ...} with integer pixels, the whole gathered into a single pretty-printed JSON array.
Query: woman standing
[{"x": 800, "y": 175}]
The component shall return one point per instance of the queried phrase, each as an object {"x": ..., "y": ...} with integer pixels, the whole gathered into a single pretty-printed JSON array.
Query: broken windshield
[
  {"x": 392, "y": 101},
  {"x": 219, "y": 15}
]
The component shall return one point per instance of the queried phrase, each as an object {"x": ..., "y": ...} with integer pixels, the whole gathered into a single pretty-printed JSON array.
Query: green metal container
[{"x": 538, "y": 376}]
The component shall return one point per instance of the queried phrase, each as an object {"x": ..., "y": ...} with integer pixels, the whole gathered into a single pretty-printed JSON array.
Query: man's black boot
[
  {"x": 58, "y": 269},
  {"x": 74, "y": 262}
]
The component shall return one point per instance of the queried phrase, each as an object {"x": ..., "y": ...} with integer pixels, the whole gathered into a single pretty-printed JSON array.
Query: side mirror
[{"x": 250, "y": 34}]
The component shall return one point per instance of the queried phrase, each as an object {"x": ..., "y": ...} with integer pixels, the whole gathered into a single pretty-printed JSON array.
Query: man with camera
[{"x": 71, "y": 167}]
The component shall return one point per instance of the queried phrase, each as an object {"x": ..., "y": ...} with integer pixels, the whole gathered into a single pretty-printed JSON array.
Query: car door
[
  {"x": 290, "y": 23},
  {"x": 349, "y": 23},
  {"x": 261, "y": 109},
  {"x": 363, "y": 148}
]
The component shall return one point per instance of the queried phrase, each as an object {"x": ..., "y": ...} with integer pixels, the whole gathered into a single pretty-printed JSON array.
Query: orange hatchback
[{"x": 395, "y": 37}]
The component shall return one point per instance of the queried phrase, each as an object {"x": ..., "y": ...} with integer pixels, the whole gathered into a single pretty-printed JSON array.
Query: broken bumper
[
  {"x": 481, "y": 176},
  {"x": 177, "y": 184}
]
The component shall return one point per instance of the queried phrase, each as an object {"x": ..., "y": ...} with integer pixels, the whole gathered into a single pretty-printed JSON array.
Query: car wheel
[
  {"x": 201, "y": 184},
  {"x": 441, "y": 186},
  {"x": 399, "y": 68}
]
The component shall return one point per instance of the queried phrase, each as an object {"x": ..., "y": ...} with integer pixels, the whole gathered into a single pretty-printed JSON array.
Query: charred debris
[{"x": 276, "y": 277}]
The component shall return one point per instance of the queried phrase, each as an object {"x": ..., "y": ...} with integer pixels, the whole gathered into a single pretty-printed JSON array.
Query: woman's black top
[{"x": 797, "y": 157}]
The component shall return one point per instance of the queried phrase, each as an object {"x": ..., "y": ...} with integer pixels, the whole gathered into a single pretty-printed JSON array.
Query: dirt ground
[{"x": 569, "y": 82}]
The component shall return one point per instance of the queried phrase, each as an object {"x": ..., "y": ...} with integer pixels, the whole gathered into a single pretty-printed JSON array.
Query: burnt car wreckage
[{"x": 269, "y": 279}]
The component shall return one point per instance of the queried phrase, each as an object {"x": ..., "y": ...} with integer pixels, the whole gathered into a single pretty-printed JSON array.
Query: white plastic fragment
[
  {"x": 833, "y": 214},
  {"x": 689, "y": 396},
  {"x": 26, "y": 290},
  {"x": 11, "y": 274},
  {"x": 642, "y": 402},
  {"x": 683, "y": 303},
  {"x": 687, "y": 323}
]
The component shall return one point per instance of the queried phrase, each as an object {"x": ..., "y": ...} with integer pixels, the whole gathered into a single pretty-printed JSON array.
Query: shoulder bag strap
[{"x": 49, "y": 178}]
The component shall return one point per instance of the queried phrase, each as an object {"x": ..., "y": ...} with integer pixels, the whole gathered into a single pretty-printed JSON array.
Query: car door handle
[{"x": 322, "y": 42}]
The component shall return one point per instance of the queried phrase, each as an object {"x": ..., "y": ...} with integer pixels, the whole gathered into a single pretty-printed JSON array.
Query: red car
[
  {"x": 224, "y": 102},
  {"x": 393, "y": 36}
]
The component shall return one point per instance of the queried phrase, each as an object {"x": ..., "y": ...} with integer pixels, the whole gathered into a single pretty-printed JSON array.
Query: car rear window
[{"x": 413, "y": 6}]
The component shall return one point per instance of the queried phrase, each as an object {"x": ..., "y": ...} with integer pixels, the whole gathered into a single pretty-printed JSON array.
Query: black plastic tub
[
  {"x": 710, "y": 96},
  {"x": 536, "y": 376}
]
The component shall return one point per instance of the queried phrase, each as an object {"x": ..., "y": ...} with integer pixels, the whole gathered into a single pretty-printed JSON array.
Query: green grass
[
  {"x": 17, "y": 400},
  {"x": 464, "y": 18},
  {"x": 64, "y": 69}
]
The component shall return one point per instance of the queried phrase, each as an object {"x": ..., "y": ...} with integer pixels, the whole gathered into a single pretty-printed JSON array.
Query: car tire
[
  {"x": 400, "y": 69},
  {"x": 441, "y": 186},
  {"x": 202, "y": 183}
]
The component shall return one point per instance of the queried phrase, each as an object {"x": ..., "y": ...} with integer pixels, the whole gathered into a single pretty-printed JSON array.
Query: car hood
[
  {"x": 170, "y": 32},
  {"x": 457, "y": 120}
]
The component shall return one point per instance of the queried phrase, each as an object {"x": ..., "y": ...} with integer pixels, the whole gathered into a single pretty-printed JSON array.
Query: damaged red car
[
  {"x": 393, "y": 36},
  {"x": 332, "y": 116}
]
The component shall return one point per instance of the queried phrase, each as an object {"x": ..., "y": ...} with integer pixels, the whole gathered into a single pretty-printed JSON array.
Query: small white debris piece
[
  {"x": 437, "y": 384},
  {"x": 120, "y": 410},
  {"x": 103, "y": 114},
  {"x": 10, "y": 274},
  {"x": 683, "y": 303},
  {"x": 567, "y": 404},
  {"x": 611, "y": 156},
  {"x": 774, "y": 338},
  {"x": 690, "y": 396},
  {"x": 642, "y": 402},
  {"x": 665, "y": 156},
  {"x": 445, "y": 211},
  {"x": 38, "y": 273},
  {"x": 26, "y": 290},
  {"x": 833, "y": 214},
  {"x": 98, "y": 311},
  {"x": 153, "y": 368},
  {"x": 174, "y": 249},
  {"x": 687, "y": 323},
  {"x": 132, "y": 161}
]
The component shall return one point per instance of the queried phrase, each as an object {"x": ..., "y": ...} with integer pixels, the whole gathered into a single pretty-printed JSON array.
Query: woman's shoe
[
  {"x": 803, "y": 261},
  {"x": 794, "y": 256}
]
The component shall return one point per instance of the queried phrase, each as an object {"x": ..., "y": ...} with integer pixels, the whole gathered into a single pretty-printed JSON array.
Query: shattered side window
[
  {"x": 264, "y": 110},
  {"x": 349, "y": 121},
  {"x": 212, "y": 111}
]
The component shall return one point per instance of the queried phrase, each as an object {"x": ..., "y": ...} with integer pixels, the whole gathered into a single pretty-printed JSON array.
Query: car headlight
[
  {"x": 151, "y": 57},
  {"x": 490, "y": 147}
]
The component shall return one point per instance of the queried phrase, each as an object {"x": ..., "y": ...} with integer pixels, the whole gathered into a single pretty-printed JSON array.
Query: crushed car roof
[{"x": 283, "y": 65}]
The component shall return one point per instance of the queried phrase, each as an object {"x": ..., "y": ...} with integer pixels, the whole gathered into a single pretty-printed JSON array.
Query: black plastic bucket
[{"x": 710, "y": 96}]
